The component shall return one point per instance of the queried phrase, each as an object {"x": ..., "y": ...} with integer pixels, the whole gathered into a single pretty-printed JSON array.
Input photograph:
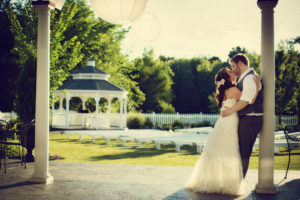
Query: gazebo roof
[
  {"x": 89, "y": 70},
  {"x": 90, "y": 79},
  {"x": 89, "y": 84}
]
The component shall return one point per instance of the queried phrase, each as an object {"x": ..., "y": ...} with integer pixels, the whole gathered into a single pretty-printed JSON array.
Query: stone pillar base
[
  {"x": 46, "y": 180},
  {"x": 265, "y": 189}
]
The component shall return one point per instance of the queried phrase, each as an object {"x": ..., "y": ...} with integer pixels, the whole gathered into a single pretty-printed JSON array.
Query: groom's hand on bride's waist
[{"x": 226, "y": 112}]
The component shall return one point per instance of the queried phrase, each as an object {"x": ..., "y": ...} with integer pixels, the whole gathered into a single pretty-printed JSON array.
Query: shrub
[
  {"x": 166, "y": 126},
  {"x": 177, "y": 124},
  {"x": 166, "y": 108},
  {"x": 12, "y": 152},
  {"x": 281, "y": 126},
  {"x": 13, "y": 124},
  {"x": 148, "y": 124},
  {"x": 135, "y": 122},
  {"x": 201, "y": 124}
]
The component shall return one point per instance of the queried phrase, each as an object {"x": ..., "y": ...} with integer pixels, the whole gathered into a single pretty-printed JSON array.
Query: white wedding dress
[{"x": 219, "y": 168}]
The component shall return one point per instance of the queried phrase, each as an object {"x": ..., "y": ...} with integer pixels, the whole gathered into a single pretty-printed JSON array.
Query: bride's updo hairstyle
[{"x": 223, "y": 82}]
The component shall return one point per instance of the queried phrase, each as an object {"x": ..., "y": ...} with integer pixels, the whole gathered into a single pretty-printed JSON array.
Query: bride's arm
[
  {"x": 236, "y": 93},
  {"x": 233, "y": 92}
]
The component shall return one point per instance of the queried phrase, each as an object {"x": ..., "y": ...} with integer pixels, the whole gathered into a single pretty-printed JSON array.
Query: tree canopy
[{"x": 154, "y": 78}]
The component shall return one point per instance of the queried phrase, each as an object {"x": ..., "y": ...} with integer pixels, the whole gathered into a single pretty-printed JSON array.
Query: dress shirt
[{"x": 249, "y": 86}]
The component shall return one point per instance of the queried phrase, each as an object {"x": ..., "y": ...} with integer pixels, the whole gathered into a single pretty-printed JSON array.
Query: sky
[{"x": 191, "y": 28}]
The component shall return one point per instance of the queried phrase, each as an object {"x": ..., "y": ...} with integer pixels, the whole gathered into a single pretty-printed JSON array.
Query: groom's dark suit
[{"x": 250, "y": 124}]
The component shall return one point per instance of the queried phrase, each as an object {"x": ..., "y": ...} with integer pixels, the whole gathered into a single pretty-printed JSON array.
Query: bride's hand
[
  {"x": 228, "y": 111},
  {"x": 257, "y": 81}
]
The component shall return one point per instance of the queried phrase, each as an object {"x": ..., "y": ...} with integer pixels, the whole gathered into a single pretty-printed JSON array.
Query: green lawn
[{"x": 74, "y": 150}]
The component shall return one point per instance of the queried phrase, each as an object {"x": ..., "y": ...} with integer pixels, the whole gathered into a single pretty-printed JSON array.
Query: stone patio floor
[{"x": 109, "y": 182}]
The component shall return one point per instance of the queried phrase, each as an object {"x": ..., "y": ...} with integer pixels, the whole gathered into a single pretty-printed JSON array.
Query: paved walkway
[{"x": 83, "y": 181}]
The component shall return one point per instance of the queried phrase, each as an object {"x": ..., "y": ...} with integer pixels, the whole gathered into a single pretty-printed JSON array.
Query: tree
[
  {"x": 297, "y": 40},
  {"x": 254, "y": 58},
  {"x": 287, "y": 76},
  {"x": 183, "y": 85},
  {"x": 154, "y": 79},
  {"x": 193, "y": 83},
  {"x": 76, "y": 36},
  {"x": 25, "y": 91},
  {"x": 236, "y": 50},
  {"x": 9, "y": 69}
]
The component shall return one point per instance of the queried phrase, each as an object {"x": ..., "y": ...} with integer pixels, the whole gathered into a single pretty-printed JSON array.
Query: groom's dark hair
[{"x": 240, "y": 57}]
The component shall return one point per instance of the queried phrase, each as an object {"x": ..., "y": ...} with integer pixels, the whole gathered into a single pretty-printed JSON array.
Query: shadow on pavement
[{"x": 287, "y": 191}]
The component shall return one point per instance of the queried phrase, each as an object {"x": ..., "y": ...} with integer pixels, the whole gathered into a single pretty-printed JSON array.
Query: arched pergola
[
  {"x": 266, "y": 138},
  {"x": 90, "y": 82}
]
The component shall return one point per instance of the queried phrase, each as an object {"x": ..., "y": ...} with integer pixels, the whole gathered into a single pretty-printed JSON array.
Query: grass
[{"x": 74, "y": 150}]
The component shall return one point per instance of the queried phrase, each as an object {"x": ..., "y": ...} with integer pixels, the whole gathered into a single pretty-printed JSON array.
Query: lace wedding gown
[{"x": 219, "y": 168}]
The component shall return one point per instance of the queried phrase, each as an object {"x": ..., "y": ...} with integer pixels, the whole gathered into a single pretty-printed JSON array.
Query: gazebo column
[
  {"x": 121, "y": 113},
  {"x": 67, "y": 110},
  {"x": 83, "y": 115},
  {"x": 61, "y": 99},
  {"x": 83, "y": 99},
  {"x": 109, "y": 111},
  {"x": 266, "y": 138},
  {"x": 125, "y": 112},
  {"x": 109, "y": 104},
  {"x": 97, "y": 99}
]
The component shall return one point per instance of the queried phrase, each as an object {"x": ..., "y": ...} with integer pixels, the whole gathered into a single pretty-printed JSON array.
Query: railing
[
  {"x": 156, "y": 118},
  {"x": 287, "y": 119},
  {"x": 86, "y": 120},
  {"x": 163, "y": 118}
]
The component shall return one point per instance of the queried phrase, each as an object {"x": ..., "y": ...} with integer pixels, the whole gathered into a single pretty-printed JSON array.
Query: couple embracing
[{"x": 224, "y": 161}]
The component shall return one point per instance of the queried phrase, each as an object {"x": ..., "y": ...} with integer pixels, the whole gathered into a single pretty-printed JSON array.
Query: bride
[{"x": 219, "y": 168}]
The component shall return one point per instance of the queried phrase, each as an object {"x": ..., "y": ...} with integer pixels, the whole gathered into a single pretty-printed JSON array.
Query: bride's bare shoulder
[{"x": 233, "y": 93}]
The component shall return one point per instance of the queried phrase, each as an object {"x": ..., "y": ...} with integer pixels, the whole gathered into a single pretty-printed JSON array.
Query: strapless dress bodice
[{"x": 229, "y": 103}]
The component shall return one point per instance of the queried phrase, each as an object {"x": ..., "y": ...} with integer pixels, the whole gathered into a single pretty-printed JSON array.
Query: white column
[
  {"x": 61, "y": 104},
  {"x": 109, "y": 111},
  {"x": 67, "y": 111},
  {"x": 121, "y": 113},
  {"x": 125, "y": 113},
  {"x": 266, "y": 138},
  {"x": 97, "y": 99},
  {"x": 109, "y": 104},
  {"x": 41, "y": 166},
  {"x": 83, "y": 99}
]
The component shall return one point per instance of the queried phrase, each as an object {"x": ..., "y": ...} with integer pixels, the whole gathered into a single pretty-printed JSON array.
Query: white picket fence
[
  {"x": 163, "y": 118},
  {"x": 8, "y": 115},
  {"x": 287, "y": 119}
]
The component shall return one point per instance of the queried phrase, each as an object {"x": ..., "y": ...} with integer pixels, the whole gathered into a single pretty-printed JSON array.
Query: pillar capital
[
  {"x": 267, "y": 3},
  {"x": 44, "y": 9}
]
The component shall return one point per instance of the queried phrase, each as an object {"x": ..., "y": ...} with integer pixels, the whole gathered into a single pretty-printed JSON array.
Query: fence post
[{"x": 153, "y": 119}]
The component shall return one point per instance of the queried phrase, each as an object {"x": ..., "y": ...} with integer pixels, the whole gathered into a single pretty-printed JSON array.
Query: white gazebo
[{"x": 89, "y": 82}]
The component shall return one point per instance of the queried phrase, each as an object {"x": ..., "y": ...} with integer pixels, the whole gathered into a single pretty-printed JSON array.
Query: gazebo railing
[{"x": 86, "y": 120}]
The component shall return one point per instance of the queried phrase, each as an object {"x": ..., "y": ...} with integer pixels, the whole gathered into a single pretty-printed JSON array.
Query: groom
[{"x": 250, "y": 115}]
